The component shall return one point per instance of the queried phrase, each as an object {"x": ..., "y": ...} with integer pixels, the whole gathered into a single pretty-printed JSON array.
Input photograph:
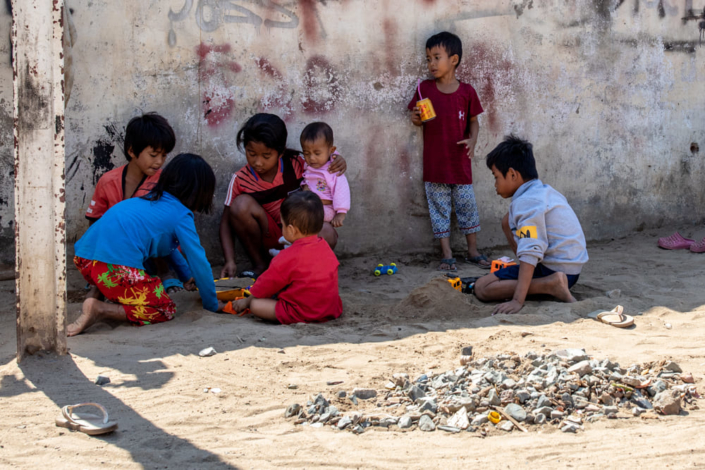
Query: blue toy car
[{"x": 388, "y": 269}]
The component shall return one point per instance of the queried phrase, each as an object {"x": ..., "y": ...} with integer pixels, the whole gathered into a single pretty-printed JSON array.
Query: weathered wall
[
  {"x": 7, "y": 158},
  {"x": 611, "y": 92}
]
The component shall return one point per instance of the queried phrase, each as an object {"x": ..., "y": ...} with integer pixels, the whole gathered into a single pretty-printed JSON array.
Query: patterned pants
[
  {"x": 440, "y": 196},
  {"x": 142, "y": 296}
]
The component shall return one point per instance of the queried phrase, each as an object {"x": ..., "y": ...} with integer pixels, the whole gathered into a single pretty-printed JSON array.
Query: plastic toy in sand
[
  {"x": 227, "y": 293},
  {"x": 388, "y": 269},
  {"x": 501, "y": 263},
  {"x": 467, "y": 284},
  {"x": 456, "y": 283}
]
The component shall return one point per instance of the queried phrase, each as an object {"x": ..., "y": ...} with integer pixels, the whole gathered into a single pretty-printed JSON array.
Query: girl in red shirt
[{"x": 256, "y": 192}]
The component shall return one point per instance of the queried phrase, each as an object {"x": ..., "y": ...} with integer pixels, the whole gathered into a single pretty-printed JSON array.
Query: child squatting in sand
[
  {"x": 112, "y": 253},
  {"x": 541, "y": 228},
  {"x": 256, "y": 191},
  {"x": 305, "y": 275}
]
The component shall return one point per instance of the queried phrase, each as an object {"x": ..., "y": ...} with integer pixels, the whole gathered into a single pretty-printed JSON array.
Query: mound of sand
[{"x": 436, "y": 300}]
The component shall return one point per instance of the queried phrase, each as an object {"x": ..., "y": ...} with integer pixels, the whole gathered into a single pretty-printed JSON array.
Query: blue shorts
[{"x": 512, "y": 273}]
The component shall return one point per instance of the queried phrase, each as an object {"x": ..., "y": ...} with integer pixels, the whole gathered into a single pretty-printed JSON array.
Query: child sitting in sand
[
  {"x": 112, "y": 253},
  {"x": 257, "y": 190},
  {"x": 305, "y": 275},
  {"x": 148, "y": 140},
  {"x": 541, "y": 228}
]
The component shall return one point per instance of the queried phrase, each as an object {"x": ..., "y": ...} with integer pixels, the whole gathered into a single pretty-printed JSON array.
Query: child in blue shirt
[
  {"x": 112, "y": 253},
  {"x": 541, "y": 229}
]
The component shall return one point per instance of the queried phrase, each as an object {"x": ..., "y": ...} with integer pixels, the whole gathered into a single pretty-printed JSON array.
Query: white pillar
[{"x": 37, "y": 33}]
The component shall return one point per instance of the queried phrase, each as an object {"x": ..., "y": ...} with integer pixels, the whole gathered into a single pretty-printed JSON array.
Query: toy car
[
  {"x": 501, "y": 263},
  {"x": 388, "y": 269},
  {"x": 456, "y": 283},
  {"x": 232, "y": 294}
]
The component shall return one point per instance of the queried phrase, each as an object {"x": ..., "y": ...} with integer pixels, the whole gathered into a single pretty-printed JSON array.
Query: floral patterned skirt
[{"x": 143, "y": 297}]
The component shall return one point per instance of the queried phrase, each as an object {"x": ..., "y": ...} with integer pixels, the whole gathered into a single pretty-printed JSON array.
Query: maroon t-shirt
[{"x": 444, "y": 161}]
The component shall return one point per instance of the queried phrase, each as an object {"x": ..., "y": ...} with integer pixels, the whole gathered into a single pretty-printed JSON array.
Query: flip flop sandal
[
  {"x": 88, "y": 423},
  {"x": 698, "y": 247},
  {"x": 449, "y": 262},
  {"x": 616, "y": 318},
  {"x": 675, "y": 242},
  {"x": 476, "y": 261}
]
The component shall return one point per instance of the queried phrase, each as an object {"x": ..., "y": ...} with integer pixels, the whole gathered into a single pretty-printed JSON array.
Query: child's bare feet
[
  {"x": 558, "y": 287},
  {"x": 94, "y": 310},
  {"x": 87, "y": 318},
  {"x": 93, "y": 293}
]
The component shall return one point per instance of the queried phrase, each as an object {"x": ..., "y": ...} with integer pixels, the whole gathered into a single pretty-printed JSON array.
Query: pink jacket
[{"x": 328, "y": 186}]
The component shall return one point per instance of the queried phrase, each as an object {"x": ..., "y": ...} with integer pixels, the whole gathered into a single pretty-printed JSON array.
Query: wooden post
[{"x": 37, "y": 35}]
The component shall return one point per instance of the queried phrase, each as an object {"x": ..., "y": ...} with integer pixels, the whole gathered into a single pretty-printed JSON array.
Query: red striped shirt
[{"x": 246, "y": 180}]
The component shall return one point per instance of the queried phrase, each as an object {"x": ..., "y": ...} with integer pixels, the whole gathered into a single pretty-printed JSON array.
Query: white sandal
[
  {"x": 616, "y": 317},
  {"x": 88, "y": 423}
]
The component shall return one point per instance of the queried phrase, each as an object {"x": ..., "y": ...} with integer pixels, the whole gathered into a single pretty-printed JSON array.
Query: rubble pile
[{"x": 566, "y": 389}]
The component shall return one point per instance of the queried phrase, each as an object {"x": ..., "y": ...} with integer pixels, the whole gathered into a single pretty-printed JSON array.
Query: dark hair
[
  {"x": 190, "y": 179},
  {"x": 148, "y": 130},
  {"x": 449, "y": 41},
  {"x": 303, "y": 210},
  {"x": 266, "y": 129},
  {"x": 315, "y": 131},
  {"x": 515, "y": 153}
]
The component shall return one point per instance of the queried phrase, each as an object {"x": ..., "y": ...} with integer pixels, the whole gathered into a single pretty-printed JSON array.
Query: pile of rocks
[{"x": 508, "y": 392}]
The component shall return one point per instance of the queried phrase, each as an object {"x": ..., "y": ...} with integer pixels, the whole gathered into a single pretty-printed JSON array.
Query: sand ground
[{"x": 402, "y": 323}]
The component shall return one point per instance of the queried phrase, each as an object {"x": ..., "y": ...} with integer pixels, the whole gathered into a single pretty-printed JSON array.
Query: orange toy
[
  {"x": 456, "y": 283},
  {"x": 229, "y": 308},
  {"x": 498, "y": 264}
]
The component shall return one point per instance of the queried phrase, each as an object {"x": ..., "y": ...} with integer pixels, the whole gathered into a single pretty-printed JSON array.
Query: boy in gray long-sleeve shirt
[{"x": 541, "y": 228}]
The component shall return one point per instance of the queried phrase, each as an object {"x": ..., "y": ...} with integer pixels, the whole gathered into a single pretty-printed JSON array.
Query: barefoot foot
[
  {"x": 86, "y": 319},
  {"x": 559, "y": 287},
  {"x": 93, "y": 311}
]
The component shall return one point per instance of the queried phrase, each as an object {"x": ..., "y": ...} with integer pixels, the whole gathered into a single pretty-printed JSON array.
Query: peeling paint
[{"x": 607, "y": 90}]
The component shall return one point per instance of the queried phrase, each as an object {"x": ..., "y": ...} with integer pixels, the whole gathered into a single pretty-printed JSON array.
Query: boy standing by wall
[
  {"x": 447, "y": 166},
  {"x": 541, "y": 228}
]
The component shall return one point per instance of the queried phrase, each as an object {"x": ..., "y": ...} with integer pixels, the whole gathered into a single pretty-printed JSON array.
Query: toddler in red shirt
[
  {"x": 447, "y": 167},
  {"x": 304, "y": 277}
]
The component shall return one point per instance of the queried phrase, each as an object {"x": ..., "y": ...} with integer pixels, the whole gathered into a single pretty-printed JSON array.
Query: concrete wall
[{"x": 611, "y": 93}]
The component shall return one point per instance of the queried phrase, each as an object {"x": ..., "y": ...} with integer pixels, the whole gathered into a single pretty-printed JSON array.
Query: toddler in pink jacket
[{"x": 332, "y": 188}]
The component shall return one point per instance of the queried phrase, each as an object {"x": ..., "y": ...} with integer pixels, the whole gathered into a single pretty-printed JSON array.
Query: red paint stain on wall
[
  {"x": 486, "y": 69},
  {"x": 309, "y": 19},
  {"x": 204, "y": 49},
  {"x": 217, "y": 109},
  {"x": 390, "y": 44},
  {"x": 280, "y": 89},
  {"x": 217, "y": 101},
  {"x": 265, "y": 66},
  {"x": 404, "y": 164},
  {"x": 322, "y": 86}
]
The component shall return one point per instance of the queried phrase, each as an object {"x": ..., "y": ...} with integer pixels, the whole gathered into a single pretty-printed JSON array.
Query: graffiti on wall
[
  {"x": 672, "y": 9},
  {"x": 210, "y": 15}
]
